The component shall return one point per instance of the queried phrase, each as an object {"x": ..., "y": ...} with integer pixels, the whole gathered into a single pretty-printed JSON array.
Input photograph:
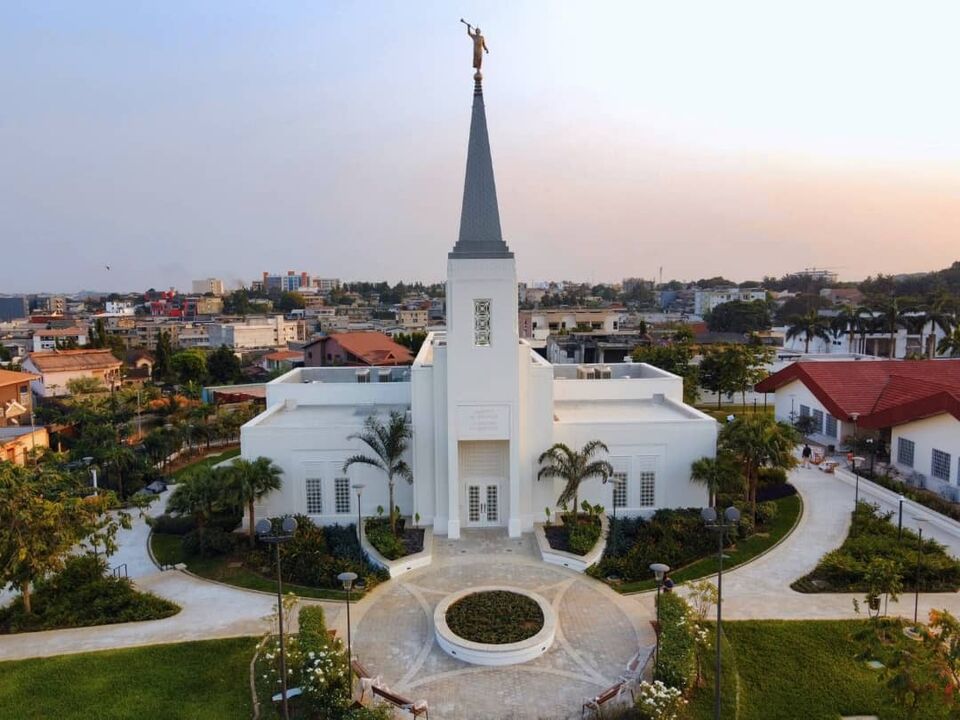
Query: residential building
[
  {"x": 482, "y": 406},
  {"x": 291, "y": 282},
  {"x": 208, "y": 285},
  {"x": 255, "y": 332},
  {"x": 282, "y": 360},
  {"x": 119, "y": 307},
  {"x": 914, "y": 405},
  {"x": 415, "y": 319},
  {"x": 202, "y": 305},
  {"x": 56, "y": 368},
  {"x": 14, "y": 308},
  {"x": 326, "y": 285},
  {"x": 539, "y": 324},
  {"x": 817, "y": 275},
  {"x": 54, "y": 338},
  {"x": 594, "y": 346},
  {"x": 705, "y": 301},
  {"x": 16, "y": 400},
  {"x": 18, "y": 443},
  {"x": 918, "y": 339},
  {"x": 355, "y": 349}
]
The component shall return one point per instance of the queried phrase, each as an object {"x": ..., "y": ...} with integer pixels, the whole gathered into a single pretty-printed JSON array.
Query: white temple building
[{"x": 482, "y": 405}]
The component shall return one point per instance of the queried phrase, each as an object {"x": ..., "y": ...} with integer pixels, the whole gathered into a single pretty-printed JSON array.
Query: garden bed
[
  {"x": 679, "y": 539},
  {"x": 495, "y": 617},
  {"x": 407, "y": 541},
  {"x": 926, "y": 498},
  {"x": 574, "y": 536},
  {"x": 872, "y": 536}
]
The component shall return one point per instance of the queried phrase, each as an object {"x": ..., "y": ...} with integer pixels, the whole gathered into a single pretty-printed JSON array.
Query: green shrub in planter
[
  {"x": 171, "y": 524},
  {"x": 766, "y": 511},
  {"x": 675, "y": 665},
  {"x": 582, "y": 537},
  {"x": 387, "y": 544}
]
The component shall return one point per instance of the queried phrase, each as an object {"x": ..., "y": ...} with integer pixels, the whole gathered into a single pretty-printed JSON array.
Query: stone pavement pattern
[{"x": 598, "y": 632}]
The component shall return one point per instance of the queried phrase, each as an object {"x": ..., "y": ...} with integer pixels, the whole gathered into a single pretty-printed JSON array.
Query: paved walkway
[
  {"x": 598, "y": 632},
  {"x": 209, "y": 610}
]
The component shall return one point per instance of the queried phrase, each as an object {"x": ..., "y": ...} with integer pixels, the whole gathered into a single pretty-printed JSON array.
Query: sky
[{"x": 180, "y": 140}]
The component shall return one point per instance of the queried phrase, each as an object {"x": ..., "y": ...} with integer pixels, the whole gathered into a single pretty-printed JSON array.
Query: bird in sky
[{"x": 107, "y": 267}]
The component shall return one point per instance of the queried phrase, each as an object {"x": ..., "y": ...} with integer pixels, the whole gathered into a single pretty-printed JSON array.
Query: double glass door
[{"x": 483, "y": 503}]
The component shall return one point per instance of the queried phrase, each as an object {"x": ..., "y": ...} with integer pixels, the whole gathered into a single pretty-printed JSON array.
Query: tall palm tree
[
  {"x": 574, "y": 467},
  {"x": 890, "y": 317},
  {"x": 940, "y": 312},
  {"x": 389, "y": 444},
  {"x": 121, "y": 458},
  {"x": 758, "y": 441},
  {"x": 716, "y": 473},
  {"x": 249, "y": 481},
  {"x": 811, "y": 325}
]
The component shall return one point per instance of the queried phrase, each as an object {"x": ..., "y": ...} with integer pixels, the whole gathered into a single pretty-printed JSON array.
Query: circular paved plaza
[{"x": 598, "y": 632}]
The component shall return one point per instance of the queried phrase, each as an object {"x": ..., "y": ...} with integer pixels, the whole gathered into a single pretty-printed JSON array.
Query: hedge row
[{"x": 675, "y": 664}]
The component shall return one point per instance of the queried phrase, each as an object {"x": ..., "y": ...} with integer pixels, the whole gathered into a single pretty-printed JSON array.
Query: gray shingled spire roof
[{"x": 480, "y": 235}]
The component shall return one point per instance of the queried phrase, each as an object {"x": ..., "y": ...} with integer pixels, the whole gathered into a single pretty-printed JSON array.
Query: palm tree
[
  {"x": 121, "y": 457},
  {"x": 389, "y": 444},
  {"x": 939, "y": 313},
  {"x": 716, "y": 473},
  {"x": 200, "y": 494},
  {"x": 251, "y": 480},
  {"x": 950, "y": 345},
  {"x": 890, "y": 316},
  {"x": 812, "y": 325},
  {"x": 574, "y": 467},
  {"x": 758, "y": 441}
]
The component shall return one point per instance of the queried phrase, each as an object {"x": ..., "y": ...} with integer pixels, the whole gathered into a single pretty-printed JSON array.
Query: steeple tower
[{"x": 480, "y": 235}]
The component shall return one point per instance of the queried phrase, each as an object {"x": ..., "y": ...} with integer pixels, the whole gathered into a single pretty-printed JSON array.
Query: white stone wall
[{"x": 787, "y": 402}]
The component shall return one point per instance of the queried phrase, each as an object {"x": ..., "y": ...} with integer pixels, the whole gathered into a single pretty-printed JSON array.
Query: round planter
[{"x": 489, "y": 654}]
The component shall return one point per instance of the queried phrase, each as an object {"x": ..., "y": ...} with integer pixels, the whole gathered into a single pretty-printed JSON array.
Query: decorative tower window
[{"x": 481, "y": 323}]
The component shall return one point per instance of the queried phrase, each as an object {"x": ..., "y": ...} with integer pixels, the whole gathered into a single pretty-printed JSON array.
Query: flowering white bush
[{"x": 656, "y": 701}]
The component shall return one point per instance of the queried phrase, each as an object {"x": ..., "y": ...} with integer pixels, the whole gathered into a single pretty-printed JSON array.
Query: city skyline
[{"x": 742, "y": 141}]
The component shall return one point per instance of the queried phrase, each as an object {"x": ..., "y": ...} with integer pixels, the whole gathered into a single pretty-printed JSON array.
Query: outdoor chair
[
  {"x": 416, "y": 709},
  {"x": 597, "y": 702},
  {"x": 367, "y": 681}
]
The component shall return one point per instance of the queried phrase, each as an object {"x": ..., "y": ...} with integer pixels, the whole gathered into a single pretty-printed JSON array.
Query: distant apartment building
[
  {"x": 325, "y": 286},
  {"x": 119, "y": 307},
  {"x": 705, "y": 301},
  {"x": 413, "y": 319},
  {"x": 13, "y": 308},
  {"x": 817, "y": 275},
  {"x": 208, "y": 285},
  {"x": 192, "y": 336},
  {"x": 53, "y": 304},
  {"x": 255, "y": 332},
  {"x": 291, "y": 282},
  {"x": 54, "y": 338},
  {"x": 202, "y": 305},
  {"x": 539, "y": 324},
  {"x": 56, "y": 368}
]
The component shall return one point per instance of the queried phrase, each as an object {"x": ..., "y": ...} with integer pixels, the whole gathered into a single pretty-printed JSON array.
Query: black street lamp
[
  {"x": 348, "y": 578},
  {"x": 731, "y": 516},
  {"x": 916, "y": 595},
  {"x": 359, "y": 488},
  {"x": 616, "y": 486},
  {"x": 659, "y": 572},
  {"x": 900, "y": 500},
  {"x": 266, "y": 534}
]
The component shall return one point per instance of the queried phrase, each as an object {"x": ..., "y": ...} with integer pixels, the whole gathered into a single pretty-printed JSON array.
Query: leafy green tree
[
  {"x": 163, "y": 355},
  {"x": 248, "y": 482},
  {"x": 37, "y": 532},
  {"x": 223, "y": 365},
  {"x": 413, "y": 341},
  {"x": 290, "y": 301},
  {"x": 190, "y": 366},
  {"x": 950, "y": 344},
  {"x": 573, "y": 467},
  {"x": 102, "y": 521},
  {"x": 674, "y": 358},
  {"x": 758, "y": 441},
  {"x": 388, "y": 443},
  {"x": 204, "y": 491},
  {"x": 119, "y": 458},
  {"x": 811, "y": 325},
  {"x": 739, "y": 316},
  {"x": 237, "y": 303}
]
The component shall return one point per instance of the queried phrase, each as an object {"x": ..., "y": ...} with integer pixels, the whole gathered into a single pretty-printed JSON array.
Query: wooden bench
[
  {"x": 596, "y": 703},
  {"x": 367, "y": 681},
  {"x": 416, "y": 709}
]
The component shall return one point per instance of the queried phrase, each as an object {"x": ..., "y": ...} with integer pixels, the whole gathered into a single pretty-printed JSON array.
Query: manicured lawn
[
  {"x": 788, "y": 513},
  {"x": 720, "y": 414},
  {"x": 206, "y": 680},
  {"x": 168, "y": 551},
  {"x": 208, "y": 461},
  {"x": 784, "y": 670}
]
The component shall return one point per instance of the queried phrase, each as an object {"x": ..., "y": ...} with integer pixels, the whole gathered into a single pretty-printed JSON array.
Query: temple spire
[{"x": 480, "y": 235}]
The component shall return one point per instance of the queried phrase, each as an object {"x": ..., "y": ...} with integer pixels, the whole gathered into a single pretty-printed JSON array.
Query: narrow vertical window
[
  {"x": 481, "y": 323},
  {"x": 341, "y": 495},
  {"x": 314, "y": 492}
]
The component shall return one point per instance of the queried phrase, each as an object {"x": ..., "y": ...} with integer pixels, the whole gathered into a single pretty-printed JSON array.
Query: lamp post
[
  {"x": 659, "y": 571},
  {"x": 266, "y": 534},
  {"x": 900, "y": 500},
  {"x": 713, "y": 521},
  {"x": 348, "y": 578},
  {"x": 359, "y": 488},
  {"x": 856, "y": 493},
  {"x": 873, "y": 454},
  {"x": 916, "y": 596},
  {"x": 617, "y": 482}
]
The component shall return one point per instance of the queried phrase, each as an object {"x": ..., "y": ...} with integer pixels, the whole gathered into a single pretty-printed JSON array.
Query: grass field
[
  {"x": 788, "y": 513},
  {"x": 206, "y": 680},
  {"x": 720, "y": 414},
  {"x": 785, "y": 670},
  {"x": 206, "y": 461}
]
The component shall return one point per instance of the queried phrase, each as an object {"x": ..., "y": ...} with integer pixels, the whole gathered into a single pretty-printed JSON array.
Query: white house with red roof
[{"x": 913, "y": 404}]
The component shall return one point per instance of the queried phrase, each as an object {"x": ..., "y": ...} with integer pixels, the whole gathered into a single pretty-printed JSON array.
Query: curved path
[{"x": 209, "y": 610}]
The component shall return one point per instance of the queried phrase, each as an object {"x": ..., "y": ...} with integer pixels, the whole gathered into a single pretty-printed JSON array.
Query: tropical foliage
[
  {"x": 573, "y": 467},
  {"x": 495, "y": 617}
]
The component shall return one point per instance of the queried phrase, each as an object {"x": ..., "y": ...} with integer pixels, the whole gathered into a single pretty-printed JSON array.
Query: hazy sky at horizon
[{"x": 182, "y": 140}]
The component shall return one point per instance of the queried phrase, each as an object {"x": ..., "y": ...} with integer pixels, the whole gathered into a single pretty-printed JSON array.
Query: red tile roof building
[{"x": 356, "y": 348}]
